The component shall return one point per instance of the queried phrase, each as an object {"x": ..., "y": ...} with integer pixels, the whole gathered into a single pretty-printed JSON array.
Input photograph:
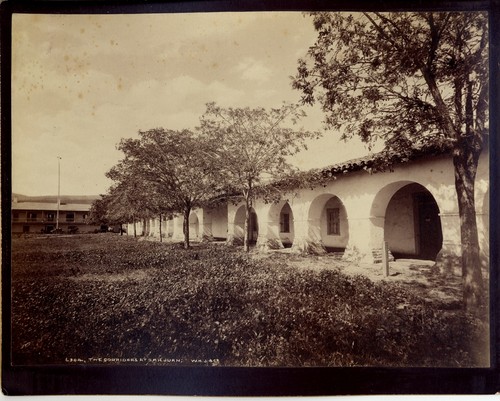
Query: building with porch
[
  {"x": 38, "y": 214},
  {"x": 354, "y": 210}
]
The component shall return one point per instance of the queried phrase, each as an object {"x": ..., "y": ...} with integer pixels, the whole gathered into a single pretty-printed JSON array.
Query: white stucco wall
[
  {"x": 332, "y": 240},
  {"x": 371, "y": 211},
  {"x": 219, "y": 221},
  {"x": 194, "y": 226},
  {"x": 287, "y": 237},
  {"x": 170, "y": 227},
  {"x": 399, "y": 225},
  {"x": 366, "y": 197}
]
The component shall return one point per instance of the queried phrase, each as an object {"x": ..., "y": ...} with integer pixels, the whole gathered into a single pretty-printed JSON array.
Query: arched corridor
[
  {"x": 194, "y": 226},
  {"x": 286, "y": 225},
  {"x": 412, "y": 224},
  {"x": 280, "y": 222},
  {"x": 239, "y": 225},
  {"x": 328, "y": 222}
]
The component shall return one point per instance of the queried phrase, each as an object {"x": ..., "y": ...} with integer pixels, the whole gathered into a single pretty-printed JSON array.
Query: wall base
[{"x": 308, "y": 247}]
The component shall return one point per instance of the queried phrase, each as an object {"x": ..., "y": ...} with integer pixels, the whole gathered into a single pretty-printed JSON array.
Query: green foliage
[
  {"x": 251, "y": 146},
  {"x": 412, "y": 80},
  {"x": 169, "y": 171},
  {"x": 98, "y": 211},
  {"x": 404, "y": 77},
  {"x": 109, "y": 296}
]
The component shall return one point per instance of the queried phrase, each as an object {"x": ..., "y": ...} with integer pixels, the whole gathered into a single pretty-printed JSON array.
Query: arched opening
[
  {"x": 239, "y": 225},
  {"x": 194, "y": 226},
  {"x": 412, "y": 226},
  {"x": 286, "y": 226},
  {"x": 170, "y": 226},
  {"x": 328, "y": 219},
  {"x": 280, "y": 225},
  {"x": 219, "y": 222}
]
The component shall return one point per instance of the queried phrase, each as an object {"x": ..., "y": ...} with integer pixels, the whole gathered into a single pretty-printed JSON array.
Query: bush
[{"x": 115, "y": 296}]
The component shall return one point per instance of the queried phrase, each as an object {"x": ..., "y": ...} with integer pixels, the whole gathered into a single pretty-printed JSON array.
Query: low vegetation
[{"x": 105, "y": 298}]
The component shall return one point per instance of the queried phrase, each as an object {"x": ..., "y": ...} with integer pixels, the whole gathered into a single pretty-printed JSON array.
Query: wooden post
[{"x": 385, "y": 257}]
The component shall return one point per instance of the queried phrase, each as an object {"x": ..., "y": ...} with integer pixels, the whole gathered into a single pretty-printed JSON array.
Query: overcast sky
[{"x": 80, "y": 83}]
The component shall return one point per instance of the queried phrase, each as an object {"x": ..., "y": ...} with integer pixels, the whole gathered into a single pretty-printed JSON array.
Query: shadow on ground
[{"x": 418, "y": 275}]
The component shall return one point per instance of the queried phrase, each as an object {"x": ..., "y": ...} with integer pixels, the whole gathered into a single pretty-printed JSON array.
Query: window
[
  {"x": 70, "y": 216},
  {"x": 333, "y": 221},
  {"x": 50, "y": 216},
  {"x": 15, "y": 216},
  {"x": 284, "y": 223}
]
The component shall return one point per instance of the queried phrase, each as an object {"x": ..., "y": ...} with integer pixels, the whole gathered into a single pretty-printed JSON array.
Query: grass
[{"x": 110, "y": 299}]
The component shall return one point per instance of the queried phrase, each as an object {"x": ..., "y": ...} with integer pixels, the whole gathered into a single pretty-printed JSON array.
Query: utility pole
[{"x": 58, "y": 190}]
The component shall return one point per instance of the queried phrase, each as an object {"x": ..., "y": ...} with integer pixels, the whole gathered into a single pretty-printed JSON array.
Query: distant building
[{"x": 38, "y": 214}]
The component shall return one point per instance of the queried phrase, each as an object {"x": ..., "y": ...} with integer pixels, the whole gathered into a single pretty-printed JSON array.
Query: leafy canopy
[
  {"x": 174, "y": 166},
  {"x": 129, "y": 199},
  {"x": 412, "y": 79},
  {"x": 251, "y": 146}
]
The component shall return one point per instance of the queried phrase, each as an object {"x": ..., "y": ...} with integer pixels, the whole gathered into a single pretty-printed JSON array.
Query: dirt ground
[{"x": 418, "y": 275}]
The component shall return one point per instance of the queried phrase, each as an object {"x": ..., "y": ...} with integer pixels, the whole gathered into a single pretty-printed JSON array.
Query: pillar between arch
[
  {"x": 307, "y": 237},
  {"x": 169, "y": 228},
  {"x": 449, "y": 258},
  {"x": 232, "y": 239},
  {"x": 154, "y": 227},
  {"x": 205, "y": 225},
  {"x": 269, "y": 236},
  {"x": 233, "y": 232},
  {"x": 178, "y": 233},
  {"x": 366, "y": 238}
]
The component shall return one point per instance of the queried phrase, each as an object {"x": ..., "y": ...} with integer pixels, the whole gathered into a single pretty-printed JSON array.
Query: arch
[
  {"x": 194, "y": 226},
  {"x": 410, "y": 218},
  {"x": 169, "y": 226},
  {"x": 239, "y": 225},
  {"x": 328, "y": 222},
  {"x": 219, "y": 217},
  {"x": 280, "y": 217}
]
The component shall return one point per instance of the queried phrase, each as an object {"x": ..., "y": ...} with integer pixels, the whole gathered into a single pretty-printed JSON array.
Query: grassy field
[{"x": 109, "y": 299}]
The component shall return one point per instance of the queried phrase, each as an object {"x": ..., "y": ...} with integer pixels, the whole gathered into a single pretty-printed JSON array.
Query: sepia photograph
[{"x": 249, "y": 189}]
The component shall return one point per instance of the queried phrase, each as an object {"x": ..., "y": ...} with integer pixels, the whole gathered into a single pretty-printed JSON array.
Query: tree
[
  {"x": 412, "y": 80},
  {"x": 252, "y": 145},
  {"x": 174, "y": 167},
  {"x": 127, "y": 200},
  {"x": 98, "y": 211}
]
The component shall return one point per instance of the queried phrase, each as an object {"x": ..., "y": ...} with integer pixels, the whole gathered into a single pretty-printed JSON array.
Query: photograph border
[{"x": 232, "y": 381}]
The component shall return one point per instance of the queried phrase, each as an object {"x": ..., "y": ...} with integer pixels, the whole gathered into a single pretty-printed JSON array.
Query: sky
[{"x": 80, "y": 83}]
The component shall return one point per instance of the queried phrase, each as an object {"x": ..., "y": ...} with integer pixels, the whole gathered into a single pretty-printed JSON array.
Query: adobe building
[
  {"x": 353, "y": 210},
  {"x": 38, "y": 214}
]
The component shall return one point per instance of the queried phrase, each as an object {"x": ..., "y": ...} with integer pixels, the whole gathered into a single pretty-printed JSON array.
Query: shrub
[{"x": 118, "y": 297}]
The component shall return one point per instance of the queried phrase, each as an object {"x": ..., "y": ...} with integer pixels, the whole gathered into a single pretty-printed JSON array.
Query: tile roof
[{"x": 381, "y": 160}]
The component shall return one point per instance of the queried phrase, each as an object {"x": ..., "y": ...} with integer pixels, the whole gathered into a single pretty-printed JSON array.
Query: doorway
[{"x": 428, "y": 225}]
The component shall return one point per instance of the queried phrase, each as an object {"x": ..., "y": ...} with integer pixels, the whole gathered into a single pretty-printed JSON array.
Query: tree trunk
[
  {"x": 246, "y": 237},
  {"x": 161, "y": 240},
  {"x": 143, "y": 227},
  {"x": 135, "y": 231},
  {"x": 187, "y": 211},
  {"x": 465, "y": 173},
  {"x": 465, "y": 160}
]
